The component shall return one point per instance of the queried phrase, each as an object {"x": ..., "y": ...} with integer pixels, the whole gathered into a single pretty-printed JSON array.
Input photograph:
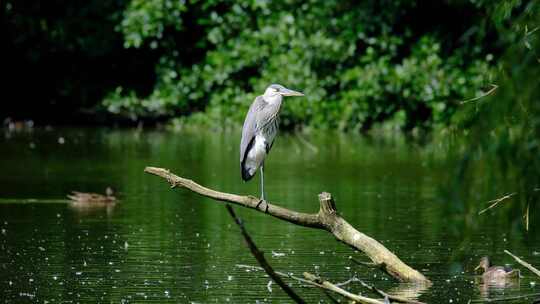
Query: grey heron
[{"x": 260, "y": 129}]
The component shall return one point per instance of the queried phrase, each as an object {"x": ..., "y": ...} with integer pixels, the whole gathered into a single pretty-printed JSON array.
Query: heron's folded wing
[{"x": 250, "y": 126}]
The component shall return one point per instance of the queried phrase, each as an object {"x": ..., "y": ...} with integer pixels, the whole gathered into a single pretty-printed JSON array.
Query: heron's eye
[{"x": 276, "y": 89}]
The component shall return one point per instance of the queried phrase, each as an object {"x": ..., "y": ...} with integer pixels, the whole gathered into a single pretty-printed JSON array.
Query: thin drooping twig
[
  {"x": 326, "y": 219},
  {"x": 389, "y": 296},
  {"x": 525, "y": 264},
  {"x": 526, "y": 218},
  {"x": 495, "y": 202},
  {"x": 329, "y": 286},
  {"x": 259, "y": 256},
  {"x": 493, "y": 88},
  {"x": 316, "y": 281},
  {"x": 354, "y": 279}
]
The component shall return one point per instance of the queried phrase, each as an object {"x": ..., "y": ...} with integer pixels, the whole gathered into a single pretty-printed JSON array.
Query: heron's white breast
[{"x": 256, "y": 154}]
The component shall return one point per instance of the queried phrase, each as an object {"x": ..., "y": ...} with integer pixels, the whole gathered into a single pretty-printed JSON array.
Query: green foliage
[
  {"x": 358, "y": 63},
  {"x": 503, "y": 129}
]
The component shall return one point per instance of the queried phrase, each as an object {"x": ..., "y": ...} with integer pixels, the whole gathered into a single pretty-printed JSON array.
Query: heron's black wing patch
[{"x": 245, "y": 172}]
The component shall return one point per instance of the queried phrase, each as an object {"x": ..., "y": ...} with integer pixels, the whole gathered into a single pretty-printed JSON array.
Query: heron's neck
[{"x": 274, "y": 100}]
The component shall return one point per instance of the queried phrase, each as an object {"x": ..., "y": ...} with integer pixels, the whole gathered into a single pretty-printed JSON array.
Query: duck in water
[{"x": 496, "y": 273}]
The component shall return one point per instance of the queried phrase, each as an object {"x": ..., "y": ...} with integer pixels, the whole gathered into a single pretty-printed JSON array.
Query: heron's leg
[
  {"x": 262, "y": 201},
  {"x": 262, "y": 182}
]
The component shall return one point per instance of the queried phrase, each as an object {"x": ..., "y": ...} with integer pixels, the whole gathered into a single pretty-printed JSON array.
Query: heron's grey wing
[
  {"x": 268, "y": 122},
  {"x": 250, "y": 126}
]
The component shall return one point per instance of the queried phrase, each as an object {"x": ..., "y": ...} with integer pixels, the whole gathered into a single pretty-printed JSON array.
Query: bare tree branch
[
  {"x": 354, "y": 279},
  {"x": 326, "y": 219},
  {"x": 525, "y": 264},
  {"x": 493, "y": 88},
  {"x": 316, "y": 281},
  {"x": 495, "y": 202}
]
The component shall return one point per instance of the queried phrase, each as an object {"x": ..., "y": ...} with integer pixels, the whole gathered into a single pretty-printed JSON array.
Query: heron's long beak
[
  {"x": 287, "y": 92},
  {"x": 477, "y": 267}
]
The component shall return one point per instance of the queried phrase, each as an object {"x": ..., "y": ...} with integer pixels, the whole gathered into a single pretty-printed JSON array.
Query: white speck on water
[
  {"x": 78, "y": 273},
  {"x": 126, "y": 245},
  {"x": 269, "y": 286},
  {"x": 61, "y": 140},
  {"x": 10, "y": 283},
  {"x": 229, "y": 278},
  {"x": 321, "y": 252},
  {"x": 58, "y": 215},
  {"x": 166, "y": 292},
  {"x": 4, "y": 231},
  {"x": 41, "y": 248},
  {"x": 532, "y": 283},
  {"x": 84, "y": 263},
  {"x": 197, "y": 234},
  {"x": 276, "y": 254},
  {"x": 26, "y": 294}
]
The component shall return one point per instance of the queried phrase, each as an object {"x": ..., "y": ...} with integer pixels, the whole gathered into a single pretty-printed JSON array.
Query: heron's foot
[{"x": 262, "y": 203}]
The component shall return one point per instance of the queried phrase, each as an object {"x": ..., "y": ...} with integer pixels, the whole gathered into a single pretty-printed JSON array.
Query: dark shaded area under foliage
[{"x": 64, "y": 58}]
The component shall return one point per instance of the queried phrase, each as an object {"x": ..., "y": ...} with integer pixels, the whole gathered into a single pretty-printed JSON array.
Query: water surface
[{"x": 161, "y": 245}]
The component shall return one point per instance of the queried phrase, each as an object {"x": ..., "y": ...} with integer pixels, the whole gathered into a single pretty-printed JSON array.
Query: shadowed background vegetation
[{"x": 405, "y": 63}]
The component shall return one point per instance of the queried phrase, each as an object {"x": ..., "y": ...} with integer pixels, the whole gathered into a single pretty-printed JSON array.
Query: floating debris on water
[
  {"x": 276, "y": 254},
  {"x": 92, "y": 198}
]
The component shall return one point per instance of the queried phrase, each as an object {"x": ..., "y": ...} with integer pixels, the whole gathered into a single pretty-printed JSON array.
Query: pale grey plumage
[
  {"x": 259, "y": 130},
  {"x": 261, "y": 117}
]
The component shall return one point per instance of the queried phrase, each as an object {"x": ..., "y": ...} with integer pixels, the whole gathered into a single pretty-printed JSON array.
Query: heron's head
[
  {"x": 277, "y": 89},
  {"x": 484, "y": 264}
]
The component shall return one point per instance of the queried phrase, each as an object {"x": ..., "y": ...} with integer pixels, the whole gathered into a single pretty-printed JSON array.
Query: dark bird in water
[
  {"x": 496, "y": 273},
  {"x": 260, "y": 129}
]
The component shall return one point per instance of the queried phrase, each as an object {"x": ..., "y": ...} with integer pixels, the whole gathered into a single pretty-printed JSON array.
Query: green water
[{"x": 161, "y": 245}]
